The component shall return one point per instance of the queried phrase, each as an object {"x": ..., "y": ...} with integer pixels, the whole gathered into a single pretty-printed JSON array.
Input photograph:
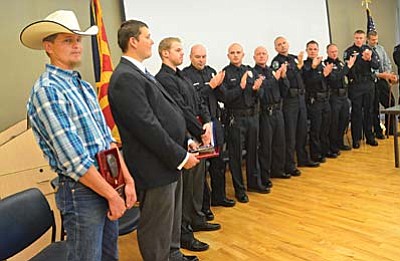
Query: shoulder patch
[{"x": 275, "y": 65}]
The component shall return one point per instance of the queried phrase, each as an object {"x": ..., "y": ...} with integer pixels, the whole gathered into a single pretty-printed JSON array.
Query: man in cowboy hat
[{"x": 70, "y": 129}]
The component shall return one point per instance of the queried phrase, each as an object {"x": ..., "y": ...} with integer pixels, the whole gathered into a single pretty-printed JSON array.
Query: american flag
[{"x": 370, "y": 22}]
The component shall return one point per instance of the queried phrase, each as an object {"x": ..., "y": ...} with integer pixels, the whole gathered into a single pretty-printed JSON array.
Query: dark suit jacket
[{"x": 151, "y": 126}]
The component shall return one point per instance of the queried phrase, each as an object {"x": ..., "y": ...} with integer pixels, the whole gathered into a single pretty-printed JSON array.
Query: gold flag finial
[{"x": 366, "y": 3}]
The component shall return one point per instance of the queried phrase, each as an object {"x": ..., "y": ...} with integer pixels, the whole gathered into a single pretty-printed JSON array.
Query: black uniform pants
[
  {"x": 295, "y": 116},
  {"x": 319, "y": 113},
  {"x": 243, "y": 133},
  {"x": 382, "y": 91},
  {"x": 361, "y": 110},
  {"x": 340, "y": 114},
  {"x": 217, "y": 177},
  {"x": 272, "y": 144}
]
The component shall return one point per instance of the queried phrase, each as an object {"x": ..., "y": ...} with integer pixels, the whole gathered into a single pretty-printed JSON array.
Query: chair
[
  {"x": 25, "y": 217},
  {"x": 127, "y": 223}
]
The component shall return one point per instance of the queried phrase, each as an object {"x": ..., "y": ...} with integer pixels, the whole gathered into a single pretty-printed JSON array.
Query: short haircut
[
  {"x": 277, "y": 38},
  {"x": 329, "y": 45},
  {"x": 128, "y": 29},
  {"x": 312, "y": 42},
  {"x": 50, "y": 38},
  {"x": 166, "y": 44},
  {"x": 359, "y": 31},
  {"x": 372, "y": 33}
]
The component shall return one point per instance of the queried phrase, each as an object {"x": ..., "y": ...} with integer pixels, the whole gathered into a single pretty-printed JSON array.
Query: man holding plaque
[
  {"x": 70, "y": 129},
  {"x": 198, "y": 122}
]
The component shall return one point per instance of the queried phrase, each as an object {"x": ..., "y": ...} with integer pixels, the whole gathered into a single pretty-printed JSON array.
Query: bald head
[
  {"x": 235, "y": 54},
  {"x": 198, "y": 56},
  {"x": 281, "y": 45},
  {"x": 260, "y": 56}
]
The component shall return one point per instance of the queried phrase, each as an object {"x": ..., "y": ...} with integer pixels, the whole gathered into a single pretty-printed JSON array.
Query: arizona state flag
[{"x": 102, "y": 65}]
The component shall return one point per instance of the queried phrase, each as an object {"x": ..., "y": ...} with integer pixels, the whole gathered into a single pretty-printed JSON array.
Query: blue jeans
[{"x": 91, "y": 236}]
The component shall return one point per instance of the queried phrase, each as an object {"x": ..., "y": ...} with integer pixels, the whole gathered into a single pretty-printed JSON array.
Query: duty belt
[
  {"x": 295, "y": 92},
  {"x": 243, "y": 112},
  {"x": 319, "y": 96},
  {"x": 362, "y": 78},
  {"x": 339, "y": 92}
]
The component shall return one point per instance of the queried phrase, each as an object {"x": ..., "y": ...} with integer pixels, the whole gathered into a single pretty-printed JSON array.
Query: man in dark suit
[
  {"x": 152, "y": 129},
  {"x": 194, "y": 108}
]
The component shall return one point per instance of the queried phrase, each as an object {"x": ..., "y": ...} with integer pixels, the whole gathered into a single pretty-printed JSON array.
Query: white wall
[{"x": 217, "y": 24}]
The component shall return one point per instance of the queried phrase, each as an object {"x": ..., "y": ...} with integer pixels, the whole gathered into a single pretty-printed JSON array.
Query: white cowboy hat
[{"x": 60, "y": 21}]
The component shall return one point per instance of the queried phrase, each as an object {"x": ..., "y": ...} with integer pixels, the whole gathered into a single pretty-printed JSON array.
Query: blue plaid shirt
[{"x": 67, "y": 121}]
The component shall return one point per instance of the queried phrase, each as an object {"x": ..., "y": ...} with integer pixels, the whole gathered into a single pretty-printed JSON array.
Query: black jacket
[
  {"x": 182, "y": 91},
  {"x": 151, "y": 126}
]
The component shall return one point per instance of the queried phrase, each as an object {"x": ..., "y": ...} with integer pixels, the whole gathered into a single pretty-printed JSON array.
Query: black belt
[
  {"x": 243, "y": 112},
  {"x": 362, "y": 78},
  {"x": 296, "y": 92},
  {"x": 339, "y": 92},
  {"x": 319, "y": 96}
]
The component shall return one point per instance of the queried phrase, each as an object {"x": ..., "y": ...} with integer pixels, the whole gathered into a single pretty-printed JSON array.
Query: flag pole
[{"x": 366, "y": 3}]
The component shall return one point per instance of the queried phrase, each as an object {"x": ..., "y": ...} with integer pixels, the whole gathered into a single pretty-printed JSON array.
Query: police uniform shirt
[
  {"x": 314, "y": 79},
  {"x": 234, "y": 96},
  {"x": 361, "y": 69},
  {"x": 201, "y": 82},
  {"x": 336, "y": 79},
  {"x": 293, "y": 73},
  {"x": 271, "y": 88}
]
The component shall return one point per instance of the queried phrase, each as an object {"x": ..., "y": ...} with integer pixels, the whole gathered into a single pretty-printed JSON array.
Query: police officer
[
  {"x": 340, "y": 106},
  {"x": 361, "y": 88},
  {"x": 272, "y": 129},
  {"x": 205, "y": 79},
  {"x": 318, "y": 108},
  {"x": 240, "y": 91},
  {"x": 294, "y": 110}
]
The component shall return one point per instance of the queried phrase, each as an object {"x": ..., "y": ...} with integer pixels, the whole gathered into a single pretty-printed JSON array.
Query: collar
[
  {"x": 136, "y": 63},
  {"x": 65, "y": 73}
]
